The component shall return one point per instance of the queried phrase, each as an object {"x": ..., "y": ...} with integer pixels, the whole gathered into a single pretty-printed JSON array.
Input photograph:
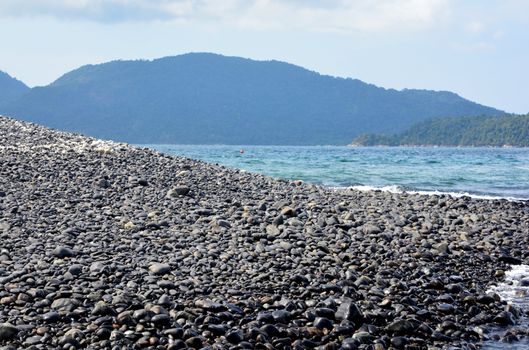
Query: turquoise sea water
[{"x": 479, "y": 172}]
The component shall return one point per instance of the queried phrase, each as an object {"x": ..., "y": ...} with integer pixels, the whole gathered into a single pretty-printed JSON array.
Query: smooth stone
[
  {"x": 323, "y": 323},
  {"x": 63, "y": 304},
  {"x": 63, "y": 252},
  {"x": 31, "y": 341},
  {"x": 8, "y": 331},
  {"x": 75, "y": 270},
  {"x": 51, "y": 317},
  {"x": 349, "y": 311},
  {"x": 235, "y": 336},
  {"x": 178, "y": 191},
  {"x": 159, "y": 268},
  {"x": 401, "y": 327}
]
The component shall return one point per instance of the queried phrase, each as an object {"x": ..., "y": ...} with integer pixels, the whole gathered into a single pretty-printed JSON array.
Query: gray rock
[
  {"x": 63, "y": 304},
  {"x": 63, "y": 252},
  {"x": 51, "y": 317},
  {"x": 7, "y": 331},
  {"x": 349, "y": 311},
  {"x": 160, "y": 268},
  {"x": 178, "y": 191}
]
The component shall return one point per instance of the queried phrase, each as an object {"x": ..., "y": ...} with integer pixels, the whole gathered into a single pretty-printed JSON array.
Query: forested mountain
[
  {"x": 11, "y": 89},
  {"x": 206, "y": 99},
  {"x": 511, "y": 130}
]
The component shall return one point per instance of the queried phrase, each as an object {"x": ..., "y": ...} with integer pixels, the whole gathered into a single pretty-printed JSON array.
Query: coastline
[
  {"x": 437, "y": 146},
  {"x": 105, "y": 244},
  {"x": 399, "y": 190}
]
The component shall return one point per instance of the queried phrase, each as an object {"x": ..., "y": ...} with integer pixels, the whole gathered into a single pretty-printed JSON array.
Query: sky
[{"x": 476, "y": 48}]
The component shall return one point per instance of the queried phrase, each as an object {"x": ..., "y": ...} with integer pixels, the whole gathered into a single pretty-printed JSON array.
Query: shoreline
[
  {"x": 105, "y": 244},
  {"x": 397, "y": 189}
]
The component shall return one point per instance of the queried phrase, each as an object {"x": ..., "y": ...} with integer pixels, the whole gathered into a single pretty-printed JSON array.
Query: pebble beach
[{"x": 108, "y": 246}]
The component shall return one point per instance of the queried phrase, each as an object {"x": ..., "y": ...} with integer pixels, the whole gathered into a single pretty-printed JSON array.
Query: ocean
[{"x": 477, "y": 172}]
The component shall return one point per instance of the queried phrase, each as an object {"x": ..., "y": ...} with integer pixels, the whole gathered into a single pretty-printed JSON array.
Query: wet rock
[
  {"x": 505, "y": 318},
  {"x": 510, "y": 260}
]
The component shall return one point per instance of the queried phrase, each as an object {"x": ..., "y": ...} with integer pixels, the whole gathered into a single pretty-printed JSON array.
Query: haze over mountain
[
  {"x": 205, "y": 98},
  {"x": 10, "y": 88}
]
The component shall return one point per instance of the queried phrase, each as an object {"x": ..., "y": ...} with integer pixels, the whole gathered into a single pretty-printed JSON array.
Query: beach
[{"x": 106, "y": 245}]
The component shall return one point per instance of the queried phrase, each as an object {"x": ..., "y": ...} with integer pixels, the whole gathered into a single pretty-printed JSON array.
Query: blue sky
[{"x": 476, "y": 48}]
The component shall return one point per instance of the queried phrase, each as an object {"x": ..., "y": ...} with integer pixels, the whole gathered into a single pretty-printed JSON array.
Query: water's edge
[{"x": 515, "y": 291}]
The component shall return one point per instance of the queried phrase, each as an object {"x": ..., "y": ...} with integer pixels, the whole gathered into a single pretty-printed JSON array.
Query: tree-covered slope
[
  {"x": 512, "y": 130},
  {"x": 11, "y": 89},
  {"x": 207, "y": 98}
]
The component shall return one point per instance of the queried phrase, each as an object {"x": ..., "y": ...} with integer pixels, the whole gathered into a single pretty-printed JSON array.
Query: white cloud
[
  {"x": 343, "y": 16},
  {"x": 327, "y": 15},
  {"x": 475, "y": 27}
]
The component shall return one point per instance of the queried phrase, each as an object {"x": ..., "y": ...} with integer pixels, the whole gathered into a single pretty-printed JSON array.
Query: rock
[
  {"x": 350, "y": 312},
  {"x": 323, "y": 323},
  {"x": 51, "y": 317},
  {"x": 75, "y": 270},
  {"x": 399, "y": 342},
  {"x": 32, "y": 341},
  {"x": 103, "y": 309},
  {"x": 159, "y": 268},
  {"x": 273, "y": 230},
  {"x": 63, "y": 252},
  {"x": 485, "y": 299},
  {"x": 281, "y": 316},
  {"x": 402, "y": 327},
  {"x": 195, "y": 342},
  {"x": 63, "y": 304},
  {"x": 443, "y": 248},
  {"x": 510, "y": 260},
  {"x": 505, "y": 318},
  {"x": 161, "y": 319},
  {"x": 446, "y": 308},
  {"x": 288, "y": 212},
  {"x": 209, "y": 305},
  {"x": 178, "y": 191},
  {"x": 235, "y": 336},
  {"x": 7, "y": 331},
  {"x": 370, "y": 229}
]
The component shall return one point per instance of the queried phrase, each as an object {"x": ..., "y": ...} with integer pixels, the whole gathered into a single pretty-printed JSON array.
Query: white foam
[
  {"x": 366, "y": 188},
  {"x": 398, "y": 189},
  {"x": 511, "y": 289}
]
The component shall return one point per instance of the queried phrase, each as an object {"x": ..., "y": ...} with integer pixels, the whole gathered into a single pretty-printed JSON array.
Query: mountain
[
  {"x": 510, "y": 130},
  {"x": 205, "y": 98},
  {"x": 11, "y": 89}
]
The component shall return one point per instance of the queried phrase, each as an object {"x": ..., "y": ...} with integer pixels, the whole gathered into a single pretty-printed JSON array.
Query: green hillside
[{"x": 511, "y": 130}]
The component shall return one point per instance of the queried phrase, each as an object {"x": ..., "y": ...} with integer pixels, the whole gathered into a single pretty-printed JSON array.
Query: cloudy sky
[{"x": 477, "y": 48}]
